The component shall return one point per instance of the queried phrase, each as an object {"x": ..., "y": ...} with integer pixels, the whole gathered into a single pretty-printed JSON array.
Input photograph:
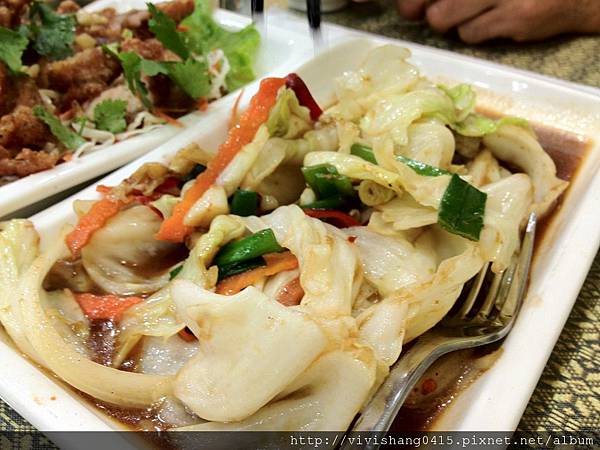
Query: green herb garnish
[
  {"x": 12, "y": 46},
  {"x": 52, "y": 34},
  {"x": 109, "y": 115},
  {"x": 165, "y": 30},
  {"x": 69, "y": 138}
]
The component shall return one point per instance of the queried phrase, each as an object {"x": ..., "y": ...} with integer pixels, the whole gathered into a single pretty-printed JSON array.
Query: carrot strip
[
  {"x": 234, "y": 112},
  {"x": 173, "y": 229},
  {"x": 202, "y": 104},
  {"x": 291, "y": 294},
  {"x": 276, "y": 262},
  {"x": 108, "y": 307},
  {"x": 90, "y": 222},
  {"x": 167, "y": 118}
]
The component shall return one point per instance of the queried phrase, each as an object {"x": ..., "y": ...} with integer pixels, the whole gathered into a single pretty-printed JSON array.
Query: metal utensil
[
  {"x": 474, "y": 321},
  {"x": 313, "y": 11}
]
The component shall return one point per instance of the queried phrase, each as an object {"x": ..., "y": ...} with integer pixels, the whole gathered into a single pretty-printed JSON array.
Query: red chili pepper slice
[
  {"x": 337, "y": 218},
  {"x": 296, "y": 84}
]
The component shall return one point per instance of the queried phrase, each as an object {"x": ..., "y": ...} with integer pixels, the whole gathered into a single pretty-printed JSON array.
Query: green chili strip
[
  {"x": 240, "y": 267},
  {"x": 248, "y": 248},
  {"x": 325, "y": 181},
  {"x": 197, "y": 170},
  {"x": 336, "y": 202},
  {"x": 364, "y": 152},
  {"x": 173, "y": 273},
  {"x": 462, "y": 209},
  {"x": 422, "y": 168},
  {"x": 244, "y": 203}
]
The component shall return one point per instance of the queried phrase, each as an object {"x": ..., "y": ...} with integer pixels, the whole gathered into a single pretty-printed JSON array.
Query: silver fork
[{"x": 466, "y": 325}]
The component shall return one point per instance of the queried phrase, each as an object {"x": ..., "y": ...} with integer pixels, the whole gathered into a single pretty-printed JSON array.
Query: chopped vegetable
[
  {"x": 52, "y": 34},
  {"x": 173, "y": 273},
  {"x": 229, "y": 270},
  {"x": 173, "y": 229},
  {"x": 422, "y": 168},
  {"x": 276, "y": 263},
  {"x": 69, "y": 138},
  {"x": 90, "y": 222},
  {"x": 191, "y": 76},
  {"x": 337, "y": 218},
  {"x": 326, "y": 181},
  {"x": 165, "y": 30},
  {"x": 203, "y": 34},
  {"x": 364, "y": 152},
  {"x": 105, "y": 307},
  {"x": 131, "y": 63},
  {"x": 197, "y": 170},
  {"x": 248, "y": 248},
  {"x": 12, "y": 46},
  {"x": 291, "y": 294},
  {"x": 109, "y": 115},
  {"x": 462, "y": 209},
  {"x": 244, "y": 203},
  {"x": 296, "y": 84},
  {"x": 335, "y": 202}
]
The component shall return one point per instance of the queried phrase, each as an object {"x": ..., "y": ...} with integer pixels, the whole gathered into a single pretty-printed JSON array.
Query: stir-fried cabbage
[{"x": 122, "y": 257}]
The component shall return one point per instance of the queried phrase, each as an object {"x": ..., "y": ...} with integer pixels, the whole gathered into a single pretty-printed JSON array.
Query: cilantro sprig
[
  {"x": 69, "y": 138},
  {"x": 165, "y": 30},
  {"x": 52, "y": 34},
  {"x": 12, "y": 46},
  {"x": 109, "y": 115}
]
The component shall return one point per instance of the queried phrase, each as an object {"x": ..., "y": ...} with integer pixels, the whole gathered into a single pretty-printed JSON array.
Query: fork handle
[{"x": 380, "y": 412}]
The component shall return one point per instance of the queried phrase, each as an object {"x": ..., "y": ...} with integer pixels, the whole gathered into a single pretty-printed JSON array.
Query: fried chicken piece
[
  {"x": 6, "y": 97},
  {"x": 11, "y": 12},
  {"x": 67, "y": 7},
  {"x": 177, "y": 10},
  {"x": 21, "y": 129},
  {"x": 149, "y": 49},
  {"x": 80, "y": 77},
  {"x": 27, "y": 162}
]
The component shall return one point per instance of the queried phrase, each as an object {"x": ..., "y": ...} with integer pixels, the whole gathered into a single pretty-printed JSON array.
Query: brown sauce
[{"x": 449, "y": 375}]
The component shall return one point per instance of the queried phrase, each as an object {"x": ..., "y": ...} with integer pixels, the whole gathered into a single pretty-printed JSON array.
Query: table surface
[{"x": 567, "y": 397}]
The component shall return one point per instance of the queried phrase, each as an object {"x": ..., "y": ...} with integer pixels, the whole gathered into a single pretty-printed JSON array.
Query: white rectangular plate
[
  {"x": 497, "y": 399},
  {"x": 280, "y": 48}
]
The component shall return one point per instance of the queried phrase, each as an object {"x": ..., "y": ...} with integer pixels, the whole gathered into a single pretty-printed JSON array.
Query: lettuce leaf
[{"x": 240, "y": 47}]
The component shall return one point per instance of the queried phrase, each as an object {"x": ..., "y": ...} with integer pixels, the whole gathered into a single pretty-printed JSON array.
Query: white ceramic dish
[
  {"x": 278, "y": 49},
  {"x": 496, "y": 400}
]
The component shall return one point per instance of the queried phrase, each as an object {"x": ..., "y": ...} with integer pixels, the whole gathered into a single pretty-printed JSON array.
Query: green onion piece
[
  {"x": 173, "y": 273},
  {"x": 239, "y": 267},
  {"x": 248, "y": 248},
  {"x": 244, "y": 203},
  {"x": 336, "y": 202},
  {"x": 422, "y": 168},
  {"x": 462, "y": 209},
  {"x": 364, "y": 152},
  {"x": 325, "y": 180},
  {"x": 197, "y": 170}
]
